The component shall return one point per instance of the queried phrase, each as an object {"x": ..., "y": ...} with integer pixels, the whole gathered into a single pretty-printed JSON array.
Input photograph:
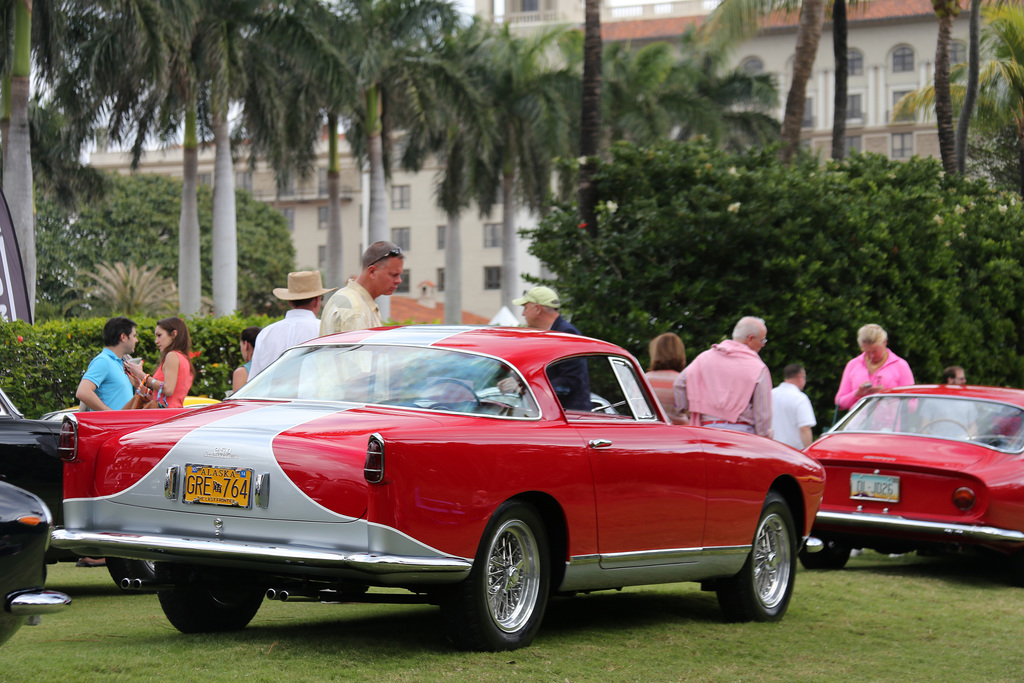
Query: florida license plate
[
  {"x": 210, "y": 485},
  {"x": 875, "y": 487}
]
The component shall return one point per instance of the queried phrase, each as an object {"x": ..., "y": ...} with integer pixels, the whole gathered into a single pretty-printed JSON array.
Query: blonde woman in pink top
[
  {"x": 668, "y": 358},
  {"x": 876, "y": 368}
]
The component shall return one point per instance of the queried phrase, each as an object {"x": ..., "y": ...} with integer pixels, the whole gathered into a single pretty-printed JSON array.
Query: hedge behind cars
[{"x": 41, "y": 365}]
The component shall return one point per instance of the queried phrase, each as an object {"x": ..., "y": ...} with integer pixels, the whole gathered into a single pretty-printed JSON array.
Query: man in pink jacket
[{"x": 729, "y": 386}]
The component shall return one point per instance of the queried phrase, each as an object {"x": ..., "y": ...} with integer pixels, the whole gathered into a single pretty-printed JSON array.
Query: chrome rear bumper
[
  {"x": 942, "y": 531},
  {"x": 280, "y": 557}
]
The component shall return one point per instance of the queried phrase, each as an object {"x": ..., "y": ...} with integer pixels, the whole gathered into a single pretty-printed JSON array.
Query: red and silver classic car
[
  {"x": 439, "y": 460},
  {"x": 929, "y": 468}
]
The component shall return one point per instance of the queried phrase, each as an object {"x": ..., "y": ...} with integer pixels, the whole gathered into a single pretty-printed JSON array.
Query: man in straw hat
[
  {"x": 300, "y": 324},
  {"x": 354, "y": 307}
]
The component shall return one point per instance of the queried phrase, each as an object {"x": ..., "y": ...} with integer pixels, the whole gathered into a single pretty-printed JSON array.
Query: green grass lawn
[{"x": 881, "y": 619}]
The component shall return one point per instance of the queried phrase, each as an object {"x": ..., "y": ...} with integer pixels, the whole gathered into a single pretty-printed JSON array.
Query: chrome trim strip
[
  {"x": 38, "y": 602},
  {"x": 895, "y": 523},
  {"x": 167, "y": 547},
  {"x": 615, "y": 570}
]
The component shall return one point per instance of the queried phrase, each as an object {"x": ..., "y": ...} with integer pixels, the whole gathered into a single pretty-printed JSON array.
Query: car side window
[{"x": 612, "y": 388}]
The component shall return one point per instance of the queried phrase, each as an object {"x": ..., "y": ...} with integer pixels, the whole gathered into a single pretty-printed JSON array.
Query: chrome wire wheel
[
  {"x": 772, "y": 561},
  {"x": 513, "y": 575}
]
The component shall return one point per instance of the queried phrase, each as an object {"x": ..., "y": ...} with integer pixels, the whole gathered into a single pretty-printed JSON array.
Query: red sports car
[
  {"x": 924, "y": 468},
  {"x": 441, "y": 460}
]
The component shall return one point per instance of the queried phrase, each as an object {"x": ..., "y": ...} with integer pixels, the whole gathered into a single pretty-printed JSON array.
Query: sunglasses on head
[{"x": 397, "y": 251}]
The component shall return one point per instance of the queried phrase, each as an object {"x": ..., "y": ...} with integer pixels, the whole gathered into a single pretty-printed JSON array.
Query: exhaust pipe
[
  {"x": 286, "y": 596},
  {"x": 143, "y": 585}
]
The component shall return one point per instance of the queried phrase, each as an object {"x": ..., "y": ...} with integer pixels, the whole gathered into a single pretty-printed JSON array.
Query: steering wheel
[
  {"x": 926, "y": 429},
  {"x": 456, "y": 392}
]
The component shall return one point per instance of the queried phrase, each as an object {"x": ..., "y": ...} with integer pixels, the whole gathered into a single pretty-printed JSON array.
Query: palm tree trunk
[
  {"x": 189, "y": 270},
  {"x": 812, "y": 17},
  {"x": 335, "y": 263},
  {"x": 509, "y": 246},
  {"x": 5, "y": 110},
  {"x": 963, "y": 124},
  {"x": 378, "y": 217},
  {"x": 943, "y": 102},
  {"x": 18, "y": 156},
  {"x": 453, "y": 270},
  {"x": 225, "y": 241},
  {"x": 839, "y": 48},
  {"x": 590, "y": 116}
]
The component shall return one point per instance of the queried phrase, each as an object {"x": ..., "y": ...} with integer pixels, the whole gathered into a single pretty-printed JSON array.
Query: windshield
[
  {"x": 414, "y": 377},
  {"x": 994, "y": 424}
]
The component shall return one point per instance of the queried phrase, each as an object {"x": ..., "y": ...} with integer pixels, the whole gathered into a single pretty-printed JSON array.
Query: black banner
[{"x": 13, "y": 293}]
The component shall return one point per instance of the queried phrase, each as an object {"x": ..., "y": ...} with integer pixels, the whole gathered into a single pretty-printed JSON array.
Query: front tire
[
  {"x": 501, "y": 604},
  {"x": 762, "y": 589},
  {"x": 195, "y": 607}
]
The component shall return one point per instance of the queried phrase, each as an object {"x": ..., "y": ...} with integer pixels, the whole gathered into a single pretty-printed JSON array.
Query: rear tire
[
  {"x": 832, "y": 556},
  {"x": 195, "y": 607},
  {"x": 763, "y": 587},
  {"x": 501, "y": 604}
]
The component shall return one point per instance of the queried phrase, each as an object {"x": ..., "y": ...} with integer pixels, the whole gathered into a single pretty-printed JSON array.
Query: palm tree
[
  {"x": 1000, "y": 79},
  {"x": 735, "y": 20},
  {"x": 946, "y": 11},
  {"x": 129, "y": 290},
  {"x": 530, "y": 89},
  {"x": 640, "y": 90},
  {"x": 590, "y": 114}
]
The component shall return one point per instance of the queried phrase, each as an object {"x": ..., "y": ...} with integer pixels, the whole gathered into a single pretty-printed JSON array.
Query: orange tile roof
[
  {"x": 662, "y": 29},
  {"x": 404, "y": 309}
]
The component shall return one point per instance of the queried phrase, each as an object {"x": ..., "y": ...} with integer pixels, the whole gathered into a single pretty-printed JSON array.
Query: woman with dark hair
[
  {"x": 169, "y": 385},
  {"x": 668, "y": 358},
  {"x": 247, "y": 344}
]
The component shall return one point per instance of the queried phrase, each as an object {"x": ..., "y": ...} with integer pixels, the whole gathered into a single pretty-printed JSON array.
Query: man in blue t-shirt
[{"x": 105, "y": 386}]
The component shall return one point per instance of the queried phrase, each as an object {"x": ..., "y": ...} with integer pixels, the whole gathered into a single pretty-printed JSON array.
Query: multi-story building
[
  {"x": 416, "y": 224},
  {"x": 891, "y": 51}
]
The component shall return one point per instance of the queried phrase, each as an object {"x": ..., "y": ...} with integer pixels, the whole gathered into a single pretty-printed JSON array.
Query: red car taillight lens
[
  {"x": 373, "y": 469},
  {"x": 67, "y": 444},
  {"x": 963, "y": 498}
]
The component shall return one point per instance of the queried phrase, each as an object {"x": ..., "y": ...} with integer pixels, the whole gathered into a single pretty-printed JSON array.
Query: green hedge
[{"x": 42, "y": 364}]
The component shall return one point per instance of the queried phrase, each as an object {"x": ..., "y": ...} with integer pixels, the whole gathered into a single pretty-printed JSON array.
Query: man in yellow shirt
[{"x": 353, "y": 307}]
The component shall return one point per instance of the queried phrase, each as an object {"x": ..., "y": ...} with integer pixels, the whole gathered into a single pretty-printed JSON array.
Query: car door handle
[{"x": 600, "y": 443}]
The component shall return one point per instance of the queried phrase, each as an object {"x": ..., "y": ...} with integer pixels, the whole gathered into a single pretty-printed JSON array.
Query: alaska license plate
[
  {"x": 875, "y": 487},
  {"x": 211, "y": 485}
]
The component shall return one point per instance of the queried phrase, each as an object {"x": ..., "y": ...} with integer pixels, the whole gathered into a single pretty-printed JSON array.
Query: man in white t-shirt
[{"x": 792, "y": 414}]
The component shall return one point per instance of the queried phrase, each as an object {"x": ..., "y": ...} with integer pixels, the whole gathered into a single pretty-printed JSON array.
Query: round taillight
[
  {"x": 963, "y": 498},
  {"x": 373, "y": 468},
  {"x": 67, "y": 443}
]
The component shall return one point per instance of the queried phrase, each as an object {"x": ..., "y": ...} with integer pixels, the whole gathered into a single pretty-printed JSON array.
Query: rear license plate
[
  {"x": 211, "y": 485},
  {"x": 875, "y": 487}
]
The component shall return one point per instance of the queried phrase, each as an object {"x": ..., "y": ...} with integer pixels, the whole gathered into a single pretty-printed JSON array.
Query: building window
[
  {"x": 440, "y": 279},
  {"x": 404, "y": 287},
  {"x": 902, "y": 145},
  {"x": 206, "y": 179},
  {"x": 289, "y": 216},
  {"x": 286, "y": 188},
  {"x": 854, "y": 63},
  {"x": 492, "y": 277},
  {"x": 854, "y": 110},
  {"x": 243, "y": 180},
  {"x": 898, "y": 95},
  {"x": 492, "y": 235},
  {"x": 752, "y": 66},
  {"x": 401, "y": 197},
  {"x": 531, "y": 5},
  {"x": 440, "y": 236},
  {"x": 902, "y": 60},
  {"x": 957, "y": 53},
  {"x": 321, "y": 182},
  {"x": 852, "y": 143},
  {"x": 321, "y": 257},
  {"x": 321, "y": 218},
  {"x": 400, "y": 236},
  {"x": 808, "y": 113}
]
